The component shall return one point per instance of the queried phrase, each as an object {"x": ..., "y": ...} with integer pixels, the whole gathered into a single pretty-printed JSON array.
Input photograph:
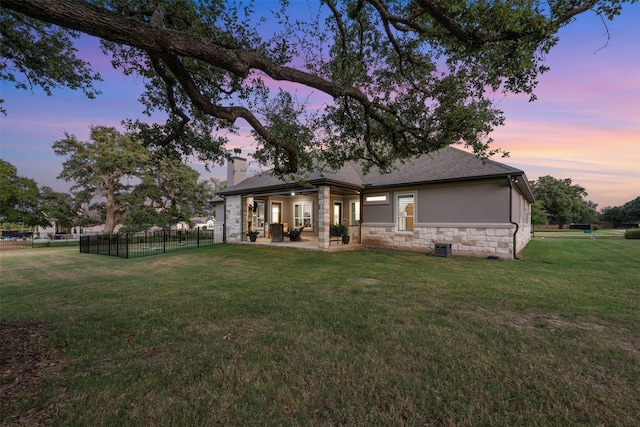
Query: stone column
[
  {"x": 324, "y": 216},
  {"x": 233, "y": 218}
]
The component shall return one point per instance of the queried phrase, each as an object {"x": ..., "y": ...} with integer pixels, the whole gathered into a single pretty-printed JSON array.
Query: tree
[
  {"x": 538, "y": 215},
  {"x": 126, "y": 178},
  {"x": 19, "y": 197},
  {"x": 614, "y": 215},
  {"x": 563, "y": 201},
  {"x": 61, "y": 207},
  {"x": 404, "y": 78},
  {"x": 103, "y": 168},
  {"x": 629, "y": 213},
  {"x": 171, "y": 194},
  {"x": 632, "y": 210}
]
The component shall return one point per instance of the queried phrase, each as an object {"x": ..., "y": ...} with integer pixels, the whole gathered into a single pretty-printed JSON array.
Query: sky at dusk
[{"x": 585, "y": 124}]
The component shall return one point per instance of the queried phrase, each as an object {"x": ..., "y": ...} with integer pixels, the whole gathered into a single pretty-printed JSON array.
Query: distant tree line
[
  {"x": 627, "y": 214},
  {"x": 560, "y": 202}
]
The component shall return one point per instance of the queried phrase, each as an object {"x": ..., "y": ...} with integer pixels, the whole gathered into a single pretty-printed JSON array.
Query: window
[
  {"x": 404, "y": 212},
  {"x": 276, "y": 208},
  {"x": 258, "y": 214},
  {"x": 377, "y": 199},
  {"x": 355, "y": 213},
  {"x": 303, "y": 215},
  {"x": 336, "y": 217}
]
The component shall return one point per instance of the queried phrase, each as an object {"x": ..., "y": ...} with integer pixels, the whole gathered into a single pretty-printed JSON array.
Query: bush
[{"x": 632, "y": 234}]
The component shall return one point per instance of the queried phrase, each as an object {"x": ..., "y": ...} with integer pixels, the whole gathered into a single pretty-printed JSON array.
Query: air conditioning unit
[{"x": 443, "y": 250}]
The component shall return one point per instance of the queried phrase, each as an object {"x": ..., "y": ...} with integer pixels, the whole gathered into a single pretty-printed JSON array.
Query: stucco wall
[{"x": 479, "y": 202}]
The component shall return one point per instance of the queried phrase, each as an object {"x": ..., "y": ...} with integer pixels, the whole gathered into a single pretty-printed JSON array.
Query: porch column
[
  {"x": 233, "y": 218},
  {"x": 324, "y": 216}
]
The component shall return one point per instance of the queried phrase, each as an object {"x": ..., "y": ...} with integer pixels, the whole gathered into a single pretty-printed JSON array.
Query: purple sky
[{"x": 585, "y": 124}]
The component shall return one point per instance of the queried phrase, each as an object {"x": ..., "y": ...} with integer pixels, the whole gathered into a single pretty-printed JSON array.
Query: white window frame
[
  {"x": 354, "y": 213},
  {"x": 376, "y": 199},
  {"x": 401, "y": 218},
  {"x": 337, "y": 217},
  {"x": 300, "y": 220}
]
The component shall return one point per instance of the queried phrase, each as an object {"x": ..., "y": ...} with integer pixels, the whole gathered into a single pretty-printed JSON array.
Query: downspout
[
  {"x": 361, "y": 211},
  {"x": 224, "y": 224},
  {"x": 511, "y": 217}
]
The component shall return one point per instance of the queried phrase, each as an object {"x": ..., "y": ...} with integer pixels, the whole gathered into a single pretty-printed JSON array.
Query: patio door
[
  {"x": 258, "y": 215},
  {"x": 336, "y": 215},
  {"x": 276, "y": 212}
]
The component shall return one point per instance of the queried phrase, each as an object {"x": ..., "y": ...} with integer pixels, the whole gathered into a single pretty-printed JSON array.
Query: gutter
[
  {"x": 224, "y": 224},
  {"x": 515, "y": 251}
]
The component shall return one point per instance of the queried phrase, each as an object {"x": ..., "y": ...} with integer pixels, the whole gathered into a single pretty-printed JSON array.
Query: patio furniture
[
  {"x": 295, "y": 233},
  {"x": 276, "y": 231}
]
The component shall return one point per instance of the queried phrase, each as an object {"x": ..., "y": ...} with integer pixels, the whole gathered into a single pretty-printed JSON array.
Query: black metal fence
[{"x": 133, "y": 245}]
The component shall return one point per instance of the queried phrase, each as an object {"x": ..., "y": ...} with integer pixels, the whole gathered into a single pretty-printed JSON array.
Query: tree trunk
[{"x": 110, "y": 221}]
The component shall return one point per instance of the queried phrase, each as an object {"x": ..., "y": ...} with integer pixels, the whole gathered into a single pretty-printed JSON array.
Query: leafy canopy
[
  {"x": 400, "y": 78},
  {"x": 563, "y": 201},
  {"x": 64, "y": 208},
  {"x": 19, "y": 198},
  {"x": 629, "y": 213},
  {"x": 127, "y": 183}
]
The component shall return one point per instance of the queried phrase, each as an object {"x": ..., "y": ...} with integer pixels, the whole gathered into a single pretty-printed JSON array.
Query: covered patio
[
  {"x": 273, "y": 211},
  {"x": 306, "y": 243},
  {"x": 269, "y": 206}
]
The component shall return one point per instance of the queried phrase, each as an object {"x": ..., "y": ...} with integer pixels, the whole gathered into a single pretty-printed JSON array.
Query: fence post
[
  {"x": 126, "y": 242},
  {"x": 164, "y": 241}
]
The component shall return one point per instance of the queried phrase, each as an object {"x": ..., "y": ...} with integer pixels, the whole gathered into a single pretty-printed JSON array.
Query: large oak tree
[
  {"x": 123, "y": 178},
  {"x": 402, "y": 78}
]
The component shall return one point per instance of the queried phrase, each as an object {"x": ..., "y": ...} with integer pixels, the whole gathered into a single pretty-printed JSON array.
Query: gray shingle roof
[{"x": 446, "y": 164}]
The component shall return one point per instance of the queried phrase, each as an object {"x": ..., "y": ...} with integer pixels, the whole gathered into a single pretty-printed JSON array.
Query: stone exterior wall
[
  {"x": 354, "y": 232},
  {"x": 324, "y": 216},
  {"x": 472, "y": 241},
  {"x": 523, "y": 237},
  {"x": 233, "y": 215}
]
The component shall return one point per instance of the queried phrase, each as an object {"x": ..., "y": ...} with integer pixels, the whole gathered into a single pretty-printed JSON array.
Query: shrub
[{"x": 632, "y": 234}]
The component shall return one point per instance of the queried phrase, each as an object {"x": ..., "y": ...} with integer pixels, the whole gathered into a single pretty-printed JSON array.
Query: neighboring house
[
  {"x": 206, "y": 223},
  {"x": 480, "y": 208},
  {"x": 217, "y": 207}
]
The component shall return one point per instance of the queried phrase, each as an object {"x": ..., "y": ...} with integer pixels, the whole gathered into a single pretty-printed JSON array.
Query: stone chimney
[{"x": 236, "y": 169}]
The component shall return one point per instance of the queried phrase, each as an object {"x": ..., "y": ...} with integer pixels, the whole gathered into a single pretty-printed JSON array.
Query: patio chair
[
  {"x": 276, "y": 232},
  {"x": 295, "y": 233}
]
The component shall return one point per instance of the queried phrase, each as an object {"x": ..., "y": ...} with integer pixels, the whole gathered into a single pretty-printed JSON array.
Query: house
[
  {"x": 205, "y": 223},
  {"x": 450, "y": 197}
]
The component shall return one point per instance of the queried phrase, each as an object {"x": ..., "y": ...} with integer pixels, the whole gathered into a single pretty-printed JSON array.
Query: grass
[
  {"x": 246, "y": 335},
  {"x": 566, "y": 232}
]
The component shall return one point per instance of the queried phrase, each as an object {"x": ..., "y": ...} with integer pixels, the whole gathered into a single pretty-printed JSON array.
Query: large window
[
  {"x": 258, "y": 214},
  {"x": 336, "y": 216},
  {"x": 404, "y": 212},
  {"x": 303, "y": 215},
  {"x": 276, "y": 210},
  {"x": 355, "y": 213}
]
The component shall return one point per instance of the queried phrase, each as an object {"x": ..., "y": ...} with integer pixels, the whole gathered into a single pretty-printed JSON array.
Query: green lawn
[{"x": 252, "y": 335}]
